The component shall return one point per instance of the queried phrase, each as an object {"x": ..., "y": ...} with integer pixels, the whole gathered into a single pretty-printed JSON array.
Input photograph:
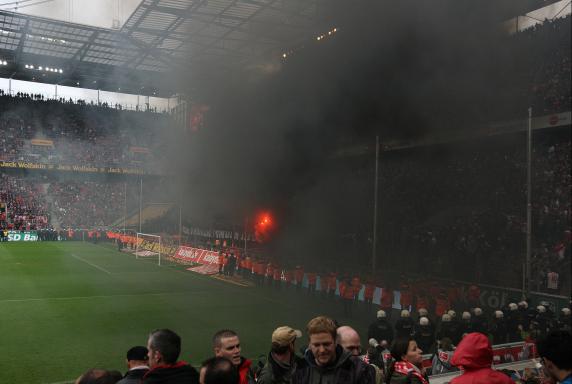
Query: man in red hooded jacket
[{"x": 474, "y": 355}]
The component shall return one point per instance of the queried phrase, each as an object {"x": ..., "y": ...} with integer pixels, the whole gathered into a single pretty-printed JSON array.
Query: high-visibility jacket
[
  {"x": 406, "y": 298},
  {"x": 259, "y": 268},
  {"x": 342, "y": 288},
  {"x": 277, "y": 275},
  {"x": 454, "y": 294},
  {"x": 332, "y": 282},
  {"x": 247, "y": 263},
  {"x": 386, "y": 298},
  {"x": 356, "y": 283},
  {"x": 421, "y": 302},
  {"x": 441, "y": 306},
  {"x": 346, "y": 290},
  {"x": 323, "y": 282},
  {"x": 311, "y": 278},
  {"x": 369, "y": 290},
  {"x": 299, "y": 275}
]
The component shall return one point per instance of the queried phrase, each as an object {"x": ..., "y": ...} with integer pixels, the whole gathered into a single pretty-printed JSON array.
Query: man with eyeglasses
[{"x": 556, "y": 353}]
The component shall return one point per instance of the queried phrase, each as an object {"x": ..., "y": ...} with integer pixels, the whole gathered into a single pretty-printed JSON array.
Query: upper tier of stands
[{"x": 51, "y": 132}]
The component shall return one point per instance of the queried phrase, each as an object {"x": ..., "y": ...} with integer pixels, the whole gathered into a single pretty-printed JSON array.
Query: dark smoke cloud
[{"x": 398, "y": 69}]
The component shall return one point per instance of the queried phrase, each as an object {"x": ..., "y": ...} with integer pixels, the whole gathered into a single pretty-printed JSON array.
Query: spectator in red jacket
[
  {"x": 368, "y": 293},
  {"x": 386, "y": 300},
  {"x": 474, "y": 355}
]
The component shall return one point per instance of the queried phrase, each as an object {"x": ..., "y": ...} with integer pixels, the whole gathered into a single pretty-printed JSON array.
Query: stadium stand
[
  {"x": 52, "y": 132},
  {"x": 26, "y": 209},
  {"x": 476, "y": 189}
]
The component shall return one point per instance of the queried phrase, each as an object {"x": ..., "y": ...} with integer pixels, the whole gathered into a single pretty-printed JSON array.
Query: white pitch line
[
  {"x": 97, "y": 296},
  {"x": 63, "y": 382},
  {"x": 93, "y": 265}
]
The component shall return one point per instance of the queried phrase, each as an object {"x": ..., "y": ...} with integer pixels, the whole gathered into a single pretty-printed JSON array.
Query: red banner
[
  {"x": 502, "y": 353},
  {"x": 197, "y": 255}
]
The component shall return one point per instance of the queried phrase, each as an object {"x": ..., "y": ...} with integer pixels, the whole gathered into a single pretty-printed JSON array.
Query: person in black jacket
[
  {"x": 497, "y": 328},
  {"x": 327, "y": 362},
  {"x": 282, "y": 359},
  {"x": 479, "y": 322},
  {"x": 512, "y": 323},
  {"x": 381, "y": 329},
  {"x": 404, "y": 325},
  {"x": 466, "y": 324},
  {"x": 425, "y": 335},
  {"x": 164, "y": 348},
  {"x": 137, "y": 362}
]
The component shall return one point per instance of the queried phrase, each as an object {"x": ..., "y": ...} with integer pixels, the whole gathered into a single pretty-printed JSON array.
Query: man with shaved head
[
  {"x": 226, "y": 343},
  {"x": 99, "y": 376},
  {"x": 349, "y": 340}
]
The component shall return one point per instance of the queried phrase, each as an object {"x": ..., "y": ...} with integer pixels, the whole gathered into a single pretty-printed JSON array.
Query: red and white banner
[
  {"x": 502, "y": 353},
  {"x": 197, "y": 255},
  {"x": 205, "y": 269}
]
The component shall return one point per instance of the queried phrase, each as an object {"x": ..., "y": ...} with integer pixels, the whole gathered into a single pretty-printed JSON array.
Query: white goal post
[{"x": 148, "y": 246}]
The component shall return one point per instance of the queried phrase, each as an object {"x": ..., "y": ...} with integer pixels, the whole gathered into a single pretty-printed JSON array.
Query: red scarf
[{"x": 408, "y": 369}]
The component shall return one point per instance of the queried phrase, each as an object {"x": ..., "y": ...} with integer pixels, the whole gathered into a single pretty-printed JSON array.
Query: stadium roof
[
  {"x": 158, "y": 35},
  {"x": 162, "y": 34}
]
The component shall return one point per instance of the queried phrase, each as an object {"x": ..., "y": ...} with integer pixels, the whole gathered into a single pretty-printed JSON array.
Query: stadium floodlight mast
[
  {"x": 144, "y": 252},
  {"x": 527, "y": 284},
  {"x": 375, "y": 197}
]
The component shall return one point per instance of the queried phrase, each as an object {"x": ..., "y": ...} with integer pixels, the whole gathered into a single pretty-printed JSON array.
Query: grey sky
[{"x": 99, "y": 13}]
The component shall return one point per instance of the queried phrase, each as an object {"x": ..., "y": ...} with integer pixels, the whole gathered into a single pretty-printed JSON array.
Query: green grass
[{"x": 66, "y": 307}]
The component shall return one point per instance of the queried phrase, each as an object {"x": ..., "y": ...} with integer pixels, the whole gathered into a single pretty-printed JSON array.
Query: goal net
[{"x": 149, "y": 247}]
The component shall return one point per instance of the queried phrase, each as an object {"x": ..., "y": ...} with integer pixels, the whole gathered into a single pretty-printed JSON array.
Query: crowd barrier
[
  {"x": 523, "y": 369},
  {"x": 502, "y": 353}
]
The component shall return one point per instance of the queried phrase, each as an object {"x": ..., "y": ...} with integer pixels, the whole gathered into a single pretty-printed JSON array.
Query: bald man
[{"x": 348, "y": 339}]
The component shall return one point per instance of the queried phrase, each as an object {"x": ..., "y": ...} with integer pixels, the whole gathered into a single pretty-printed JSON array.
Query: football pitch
[{"x": 66, "y": 307}]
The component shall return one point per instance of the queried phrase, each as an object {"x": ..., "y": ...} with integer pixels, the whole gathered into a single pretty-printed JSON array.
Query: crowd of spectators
[
  {"x": 544, "y": 50},
  {"x": 87, "y": 204},
  {"x": 22, "y": 205},
  {"x": 333, "y": 354},
  {"x": 51, "y": 132},
  {"x": 460, "y": 209},
  {"x": 34, "y": 202}
]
